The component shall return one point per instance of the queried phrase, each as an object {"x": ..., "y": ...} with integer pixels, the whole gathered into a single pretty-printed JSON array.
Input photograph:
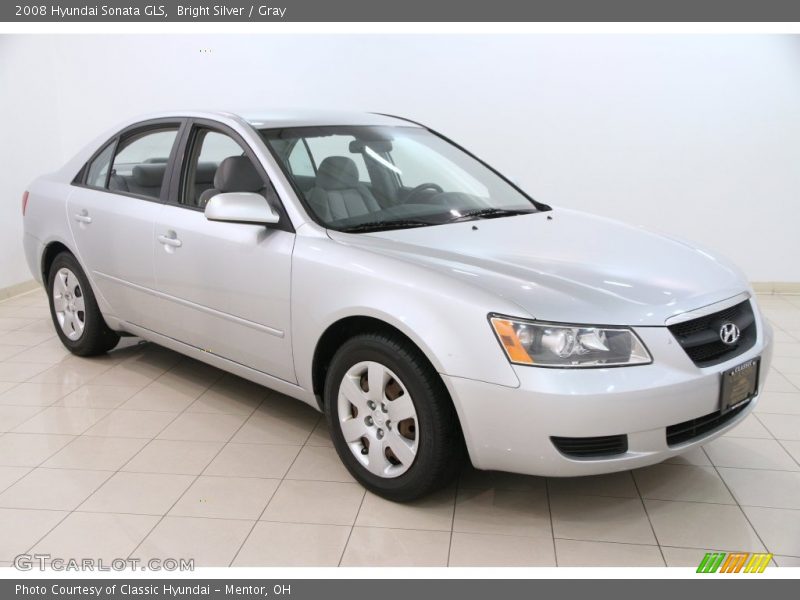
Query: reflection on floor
[{"x": 145, "y": 453}]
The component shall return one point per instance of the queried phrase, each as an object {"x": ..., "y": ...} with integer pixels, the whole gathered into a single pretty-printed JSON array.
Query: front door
[{"x": 224, "y": 287}]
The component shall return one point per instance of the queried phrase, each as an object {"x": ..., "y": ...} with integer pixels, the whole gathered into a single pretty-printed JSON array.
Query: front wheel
[
  {"x": 391, "y": 419},
  {"x": 78, "y": 321}
]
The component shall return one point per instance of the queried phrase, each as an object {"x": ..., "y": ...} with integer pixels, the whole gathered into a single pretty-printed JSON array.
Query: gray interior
[{"x": 337, "y": 193}]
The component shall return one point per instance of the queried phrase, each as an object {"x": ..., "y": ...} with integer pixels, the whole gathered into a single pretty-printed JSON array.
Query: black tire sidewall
[
  {"x": 96, "y": 336},
  {"x": 430, "y": 422}
]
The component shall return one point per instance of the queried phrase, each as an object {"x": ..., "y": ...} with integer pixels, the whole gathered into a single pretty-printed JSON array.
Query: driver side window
[{"x": 216, "y": 163}]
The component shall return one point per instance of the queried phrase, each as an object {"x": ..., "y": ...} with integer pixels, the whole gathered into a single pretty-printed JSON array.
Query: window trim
[
  {"x": 184, "y": 155},
  {"x": 132, "y": 130},
  {"x": 540, "y": 206},
  {"x": 84, "y": 172}
]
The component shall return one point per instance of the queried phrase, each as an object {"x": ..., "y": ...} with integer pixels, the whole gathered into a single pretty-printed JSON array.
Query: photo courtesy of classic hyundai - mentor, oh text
[{"x": 371, "y": 267}]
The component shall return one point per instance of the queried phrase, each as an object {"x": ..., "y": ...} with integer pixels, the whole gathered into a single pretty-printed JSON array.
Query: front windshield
[{"x": 361, "y": 179}]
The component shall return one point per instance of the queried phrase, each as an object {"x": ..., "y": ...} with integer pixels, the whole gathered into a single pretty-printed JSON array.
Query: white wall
[{"x": 698, "y": 136}]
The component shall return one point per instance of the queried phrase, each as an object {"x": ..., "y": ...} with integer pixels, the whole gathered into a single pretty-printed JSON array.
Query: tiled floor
[{"x": 145, "y": 453}]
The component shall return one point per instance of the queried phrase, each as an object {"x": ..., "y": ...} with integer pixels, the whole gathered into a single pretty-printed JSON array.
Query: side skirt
[{"x": 279, "y": 385}]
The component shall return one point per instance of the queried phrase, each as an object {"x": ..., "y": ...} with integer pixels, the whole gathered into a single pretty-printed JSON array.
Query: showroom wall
[{"x": 697, "y": 136}]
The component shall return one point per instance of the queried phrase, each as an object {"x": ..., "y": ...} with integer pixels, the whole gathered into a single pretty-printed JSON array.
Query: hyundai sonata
[{"x": 374, "y": 269}]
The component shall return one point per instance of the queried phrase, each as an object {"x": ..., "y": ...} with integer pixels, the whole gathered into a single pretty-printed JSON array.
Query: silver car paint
[
  {"x": 218, "y": 299},
  {"x": 566, "y": 266}
]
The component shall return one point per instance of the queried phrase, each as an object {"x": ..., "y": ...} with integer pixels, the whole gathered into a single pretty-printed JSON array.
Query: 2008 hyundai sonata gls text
[{"x": 370, "y": 267}]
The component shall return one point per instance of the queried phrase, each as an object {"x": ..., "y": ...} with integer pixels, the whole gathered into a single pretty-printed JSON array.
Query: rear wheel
[
  {"x": 391, "y": 418},
  {"x": 76, "y": 317}
]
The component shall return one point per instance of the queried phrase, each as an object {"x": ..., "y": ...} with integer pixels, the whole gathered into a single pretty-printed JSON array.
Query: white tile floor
[{"x": 146, "y": 453}]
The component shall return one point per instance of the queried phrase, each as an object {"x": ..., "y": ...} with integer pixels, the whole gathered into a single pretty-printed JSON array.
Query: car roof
[
  {"x": 300, "y": 118},
  {"x": 277, "y": 118}
]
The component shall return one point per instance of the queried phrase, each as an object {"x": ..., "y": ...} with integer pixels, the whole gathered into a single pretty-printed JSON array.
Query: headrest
[
  {"x": 204, "y": 173},
  {"x": 157, "y": 160},
  {"x": 337, "y": 173},
  {"x": 380, "y": 146},
  {"x": 237, "y": 174},
  {"x": 149, "y": 175}
]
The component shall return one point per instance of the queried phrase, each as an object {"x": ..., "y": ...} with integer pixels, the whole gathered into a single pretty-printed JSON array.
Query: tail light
[{"x": 24, "y": 202}]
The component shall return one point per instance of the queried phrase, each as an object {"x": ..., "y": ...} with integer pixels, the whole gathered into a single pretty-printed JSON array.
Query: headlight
[{"x": 568, "y": 346}]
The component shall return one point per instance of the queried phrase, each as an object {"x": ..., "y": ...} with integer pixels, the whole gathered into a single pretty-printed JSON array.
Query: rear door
[
  {"x": 113, "y": 210},
  {"x": 223, "y": 287}
]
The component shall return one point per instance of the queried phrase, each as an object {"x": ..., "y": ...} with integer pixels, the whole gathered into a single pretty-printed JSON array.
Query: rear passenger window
[
  {"x": 141, "y": 162},
  {"x": 98, "y": 168},
  {"x": 300, "y": 161}
]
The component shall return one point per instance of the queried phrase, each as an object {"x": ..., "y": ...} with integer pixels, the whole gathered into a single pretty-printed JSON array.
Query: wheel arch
[
  {"x": 339, "y": 332},
  {"x": 51, "y": 250}
]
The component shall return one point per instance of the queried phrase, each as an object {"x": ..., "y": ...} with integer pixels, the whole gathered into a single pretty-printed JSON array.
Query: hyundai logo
[{"x": 729, "y": 333}]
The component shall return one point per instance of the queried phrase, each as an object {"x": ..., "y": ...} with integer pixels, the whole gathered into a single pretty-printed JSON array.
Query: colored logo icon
[{"x": 734, "y": 562}]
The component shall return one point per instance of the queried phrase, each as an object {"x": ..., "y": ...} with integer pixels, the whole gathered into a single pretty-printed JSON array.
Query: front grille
[
  {"x": 700, "y": 337},
  {"x": 694, "y": 428},
  {"x": 591, "y": 447}
]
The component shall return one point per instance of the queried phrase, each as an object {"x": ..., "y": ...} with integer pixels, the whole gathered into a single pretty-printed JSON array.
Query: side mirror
[{"x": 241, "y": 207}]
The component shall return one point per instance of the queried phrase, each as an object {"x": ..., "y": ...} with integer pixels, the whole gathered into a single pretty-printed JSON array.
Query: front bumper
[{"x": 509, "y": 429}]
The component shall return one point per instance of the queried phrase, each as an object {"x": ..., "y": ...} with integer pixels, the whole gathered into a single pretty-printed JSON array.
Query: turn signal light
[{"x": 24, "y": 202}]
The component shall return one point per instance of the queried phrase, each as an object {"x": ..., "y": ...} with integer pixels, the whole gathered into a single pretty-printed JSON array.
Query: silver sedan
[{"x": 372, "y": 268}]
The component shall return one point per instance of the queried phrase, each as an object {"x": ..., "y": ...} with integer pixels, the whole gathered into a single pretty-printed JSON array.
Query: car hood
[{"x": 567, "y": 266}]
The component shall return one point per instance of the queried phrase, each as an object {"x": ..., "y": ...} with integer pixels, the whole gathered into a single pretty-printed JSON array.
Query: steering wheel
[{"x": 420, "y": 188}]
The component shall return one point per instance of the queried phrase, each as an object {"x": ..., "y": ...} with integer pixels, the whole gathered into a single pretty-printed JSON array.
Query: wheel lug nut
[
  {"x": 383, "y": 407},
  {"x": 371, "y": 404},
  {"x": 380, "y": 433},
  {"x": 388, "y": 424},
  {"x": 364, "y": 451},
  {"x": 369, "y": 421}
]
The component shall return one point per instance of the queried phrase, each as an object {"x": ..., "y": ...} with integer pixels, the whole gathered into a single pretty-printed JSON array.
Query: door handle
[
  {"x": 83, "y": 217},
  {"x": 171, "y": 239}
]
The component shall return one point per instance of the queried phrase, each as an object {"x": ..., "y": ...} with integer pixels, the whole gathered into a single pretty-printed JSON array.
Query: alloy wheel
[{"x": 68, "y": 304}]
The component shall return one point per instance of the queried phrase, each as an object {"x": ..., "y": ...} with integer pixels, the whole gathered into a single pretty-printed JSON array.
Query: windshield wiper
[
  {"x": 385, "y": 225},
  {"x": 489, "y": 213}
]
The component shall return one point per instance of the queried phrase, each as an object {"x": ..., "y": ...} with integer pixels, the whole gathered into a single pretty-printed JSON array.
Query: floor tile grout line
[
  {"x": 196, "y": 477},
  {"x": 77, "y": 435},
  {"x": 308, "y": 437},
  {"x": 33, "y": 469},
  {"x": 729, "y": 549},
  {"x": 392, "y": 527},
  {"x": 272, "y": 495},
  {"x": 30, "y": 469},
  {"x": 783, "y": 508},
  {"x": 785, "y": 449},
  {"x": 114, "y": 473},
  {"x": 649, "y": 520},
  {"x": 352, "y": 528},
  {"x": 550, "y": 513},
  {"x": 155, "y": 436},
  {"x": 741, "y": 510},
  {"x": 617, "y": 542},
  {"x": 453, "y": 516},
  {"x": 70, "y": 512},
  {"x": 42, "y": 409}
]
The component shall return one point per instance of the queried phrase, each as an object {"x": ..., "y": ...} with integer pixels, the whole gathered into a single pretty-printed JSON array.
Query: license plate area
[{"x": 739, "y": 384}]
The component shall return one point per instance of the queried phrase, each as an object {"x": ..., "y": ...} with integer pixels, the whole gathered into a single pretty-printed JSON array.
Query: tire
[
  {"x": 77, "y": 319},
  {"x": 424, "y": 451}
]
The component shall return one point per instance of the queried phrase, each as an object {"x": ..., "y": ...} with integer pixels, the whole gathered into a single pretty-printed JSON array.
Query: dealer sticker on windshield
[{"x": 739, "y": 384}]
